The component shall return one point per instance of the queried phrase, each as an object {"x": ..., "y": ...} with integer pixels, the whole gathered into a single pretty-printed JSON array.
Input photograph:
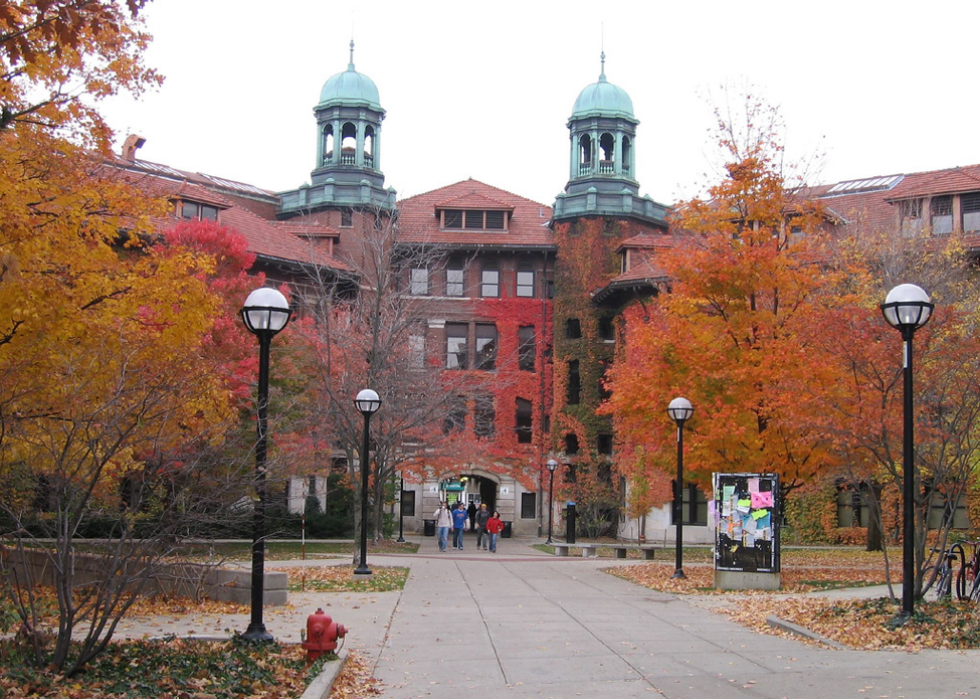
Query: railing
[{"x": 348, "y": 159}]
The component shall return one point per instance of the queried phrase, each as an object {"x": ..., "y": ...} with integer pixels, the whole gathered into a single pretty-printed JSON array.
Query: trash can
[
  {"x": 570, "y": 523},
  {"x": 507, "y": 530},
  {"x": 429, "y": 526}
]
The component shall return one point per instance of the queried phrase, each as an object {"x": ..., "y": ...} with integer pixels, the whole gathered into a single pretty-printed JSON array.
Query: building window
[
  {"x": 455, "y": 415},
  {"x": 523, "y": 421},
  {"x": 490, "y": 282},
  {"x": 607, "y": 329},
  {"x": 416, "y": 351},
  {"x": 483, "y": 416},
  {"x": 941, "y": 209},
  {"x": 408, "y": 503},
  {"x": 192, "y": 211},
  {"x": 454, "y": 278},
  {"x": 452, "y": 219},
  {"x": 528, "y": 503},
  {"x": 573, "y": 329},
  {"x": 456, "y": 350},
  {"x": 474, "y": 220},
  {"x": 911, "y": 213},
  {"x": 970, "y": 204},
  {"x": 420, "y": 281},
  {"x": 486, "y": 346},
  {"x": 696, "y": 515},
  {"x": 525, "y": 348},
  {"x": 604, "y": 444},
  {"x": 496, "y": 220},
  {"x": 574, "y": 383},
  {"x": 346, "y": 219},
  {"x": 525, "y": 283},
  {"x": 852, "y": 507},
  {"x": 571, "y": 444}
]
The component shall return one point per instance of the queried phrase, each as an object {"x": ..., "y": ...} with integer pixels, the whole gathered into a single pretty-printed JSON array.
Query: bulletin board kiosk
[{"x": 746, "y": 531}]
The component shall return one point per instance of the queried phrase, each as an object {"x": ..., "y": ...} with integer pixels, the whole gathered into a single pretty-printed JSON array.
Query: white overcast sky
[{"x": 484, "y": 90}]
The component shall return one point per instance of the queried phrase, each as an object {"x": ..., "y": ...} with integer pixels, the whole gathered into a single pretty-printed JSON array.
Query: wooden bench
[{"x": 588, "y": 550}]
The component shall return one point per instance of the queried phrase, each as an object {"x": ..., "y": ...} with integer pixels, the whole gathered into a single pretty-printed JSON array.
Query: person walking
[
  {"x": 494, "y": 527},
  {"x": 482, "y": 538},
  {"x": 471, "y": 513},
  {"x": 459, "y": 524},
  {"x": 444, "y": 521}
]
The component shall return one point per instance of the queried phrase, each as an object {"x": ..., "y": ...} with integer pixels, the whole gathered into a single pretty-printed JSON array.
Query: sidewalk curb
[
  {"x": 321, "y": 685},
  {"x": 792, "y": 628}
]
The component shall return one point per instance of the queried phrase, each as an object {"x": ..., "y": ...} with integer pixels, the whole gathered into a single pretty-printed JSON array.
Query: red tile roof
[
  {"x": 289, "y": 242},
  {"x": 472, "y": 200},
  {"x": 950, "y": 181},
  {"x": 528, "y": 227}
]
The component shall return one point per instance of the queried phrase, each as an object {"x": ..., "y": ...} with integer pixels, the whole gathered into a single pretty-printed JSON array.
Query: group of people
[{"x": 488, "y": 526}]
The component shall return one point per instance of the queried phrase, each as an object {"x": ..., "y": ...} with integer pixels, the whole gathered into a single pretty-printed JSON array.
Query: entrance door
[{"x": 488, "y": 493}]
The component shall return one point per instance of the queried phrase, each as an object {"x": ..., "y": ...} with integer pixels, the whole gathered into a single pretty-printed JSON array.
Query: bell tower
[
  {"x": 602, "y": 165},
  {"x": 347, "y": 170}
]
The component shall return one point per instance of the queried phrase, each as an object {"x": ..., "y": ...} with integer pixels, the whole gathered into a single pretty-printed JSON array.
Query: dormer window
[
  {"x": 193, "y": 211},
  {"x": 465, "y": 219}
]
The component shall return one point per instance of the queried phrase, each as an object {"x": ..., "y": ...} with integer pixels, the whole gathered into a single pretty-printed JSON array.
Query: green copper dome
[
  {"x": 351, "y": 88},
  {"x": 603, "y": 99}
]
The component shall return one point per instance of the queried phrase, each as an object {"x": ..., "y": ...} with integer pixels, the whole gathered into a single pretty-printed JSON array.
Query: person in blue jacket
[{"x": 459, "y": 523}]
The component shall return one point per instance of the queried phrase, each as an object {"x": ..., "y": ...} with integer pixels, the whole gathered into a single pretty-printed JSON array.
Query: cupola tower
[
  {"x": 347, "y": 170},
  {"x": 602, "y": 176}
]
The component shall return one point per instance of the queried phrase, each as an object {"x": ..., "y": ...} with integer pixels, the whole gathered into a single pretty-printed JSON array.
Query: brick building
[{"x": 523, "y": 297}]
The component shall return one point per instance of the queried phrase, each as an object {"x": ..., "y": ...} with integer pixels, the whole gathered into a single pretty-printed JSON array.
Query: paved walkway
[{"x": 521, "y": 624}]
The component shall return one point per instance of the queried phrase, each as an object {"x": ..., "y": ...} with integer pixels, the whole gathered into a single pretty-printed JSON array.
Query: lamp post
[
  {"x": 265, "y": 313},
  {"x": 552, "y": 466},
  {"x": 367, "y": 402},
  {"x": 401, "y": 510},
  {"x": 907, "y": 308},
  {"x": 680, "y": 411}
]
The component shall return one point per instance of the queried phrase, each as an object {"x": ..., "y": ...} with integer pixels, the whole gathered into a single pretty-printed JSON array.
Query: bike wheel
[
  {"x": 975, "y": 589},
  {"x": 943, "y": 587}
]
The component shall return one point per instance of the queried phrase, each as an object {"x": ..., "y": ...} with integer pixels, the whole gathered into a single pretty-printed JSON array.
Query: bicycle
[
  {"x": 943, "y": 577},
  {"x": 970, "y": 574}
]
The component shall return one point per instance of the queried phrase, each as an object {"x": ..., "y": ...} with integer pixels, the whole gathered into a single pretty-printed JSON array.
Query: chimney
[{"x": 132, "y": 144}]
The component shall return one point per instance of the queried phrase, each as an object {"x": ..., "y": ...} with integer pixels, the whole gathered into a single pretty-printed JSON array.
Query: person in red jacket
[{"x": 494, "y": 527}]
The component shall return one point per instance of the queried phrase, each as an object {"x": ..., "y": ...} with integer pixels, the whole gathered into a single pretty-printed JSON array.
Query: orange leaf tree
[{"x": 733, "y": 333}]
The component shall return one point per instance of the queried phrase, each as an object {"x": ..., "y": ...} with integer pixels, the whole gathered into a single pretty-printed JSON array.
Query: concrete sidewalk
[{"x": 520, "y": 623}]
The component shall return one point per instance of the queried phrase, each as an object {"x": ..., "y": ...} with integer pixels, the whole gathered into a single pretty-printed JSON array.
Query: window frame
[
  {"x": 532, "y": 498},
  {"x": 527, "y": 346},
  {"x": 453, "y": 287},
  {"x": 418, "y": 281},
  {"x": 485, "y": 285},
  {"x": 460, "y": 350},
  {"x": 486, "y": 360},
  {"x": 525, "y": 289},
  {"x": 524, "y": 420}
]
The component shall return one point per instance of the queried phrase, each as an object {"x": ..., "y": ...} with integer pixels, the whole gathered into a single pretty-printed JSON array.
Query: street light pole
[
  {"x": 552, "y": 465},
  {"x": 680, "y": 411},
  {"x": 265, "y": 313},
  {"x": 907, "y": 308},
  {"x": 401, "y": 510},
  {"x": 367, "y": 402}
]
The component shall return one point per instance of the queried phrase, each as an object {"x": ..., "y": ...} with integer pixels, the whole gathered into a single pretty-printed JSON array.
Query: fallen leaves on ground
[
  {"x": 699, "y": 579},
  {"x": 340, "y": 578},
  {"x": 182, "y": 668},
  {"x": 355, "y": 680},
  {"x": 857, "y": 623},
  {"x": 864, "y": 624}
]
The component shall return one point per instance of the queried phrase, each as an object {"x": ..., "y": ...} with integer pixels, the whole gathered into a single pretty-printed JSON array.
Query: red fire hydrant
[{"x": 322, "y": 634}]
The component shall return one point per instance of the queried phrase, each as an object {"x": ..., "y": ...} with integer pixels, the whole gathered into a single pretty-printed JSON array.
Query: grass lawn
[
  {"x": 284, "y": 550},
  {"x": 341, "y": 579}
]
